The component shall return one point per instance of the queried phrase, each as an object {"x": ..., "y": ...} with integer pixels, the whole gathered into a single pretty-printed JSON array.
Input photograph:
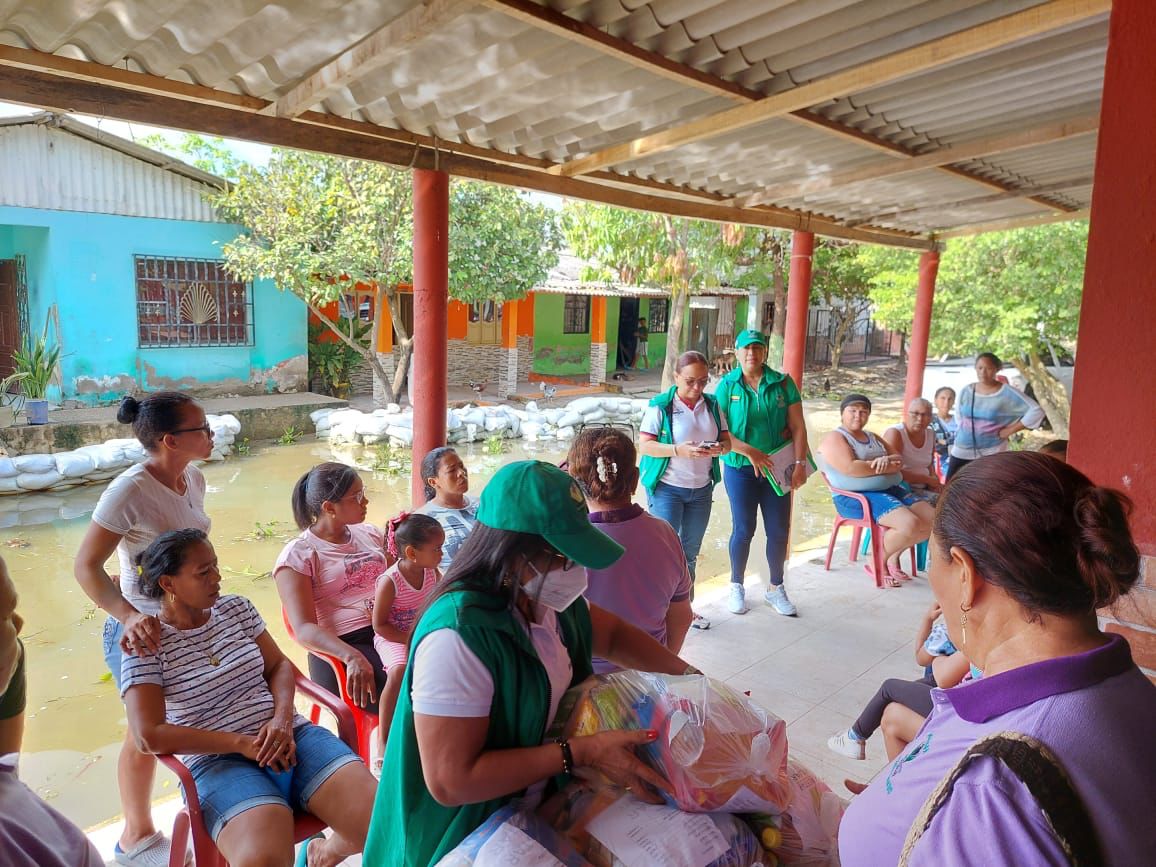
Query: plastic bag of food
[
  {"x": 806, "y": 834},
  {"x": 614, "y": 829},
  {"x": 514, "y": 836},
  {"x": 719, "y": 750}
]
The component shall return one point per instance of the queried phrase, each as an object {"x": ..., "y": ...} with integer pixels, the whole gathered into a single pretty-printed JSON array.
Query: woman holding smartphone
[{"x": 683, "y": 435}]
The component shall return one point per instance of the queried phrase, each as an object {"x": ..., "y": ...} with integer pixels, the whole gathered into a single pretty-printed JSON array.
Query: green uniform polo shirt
[{"x": 757, "y": 417}]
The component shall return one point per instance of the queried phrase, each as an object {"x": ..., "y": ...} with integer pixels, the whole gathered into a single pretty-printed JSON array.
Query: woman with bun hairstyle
[
  {"x": 165, "y": 492},
  {"x": 1024, "y": 551},
  {"x": 326, "y": 579}
]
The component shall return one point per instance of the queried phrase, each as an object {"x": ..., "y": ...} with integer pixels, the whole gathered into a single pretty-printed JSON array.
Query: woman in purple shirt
[{"x": 1024, "y": 551}]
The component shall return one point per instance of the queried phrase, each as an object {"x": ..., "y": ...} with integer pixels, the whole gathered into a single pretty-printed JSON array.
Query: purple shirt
[
  {"x": 32, "y": 834},
  {"x": 642, "y": 583},
  {"x": 1094, "y": 710}
]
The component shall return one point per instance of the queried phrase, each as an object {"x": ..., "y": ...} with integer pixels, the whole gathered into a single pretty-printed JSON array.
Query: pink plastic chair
[
  {"x": 867, "y": 522},
  {"x": 190, "y": 820}
]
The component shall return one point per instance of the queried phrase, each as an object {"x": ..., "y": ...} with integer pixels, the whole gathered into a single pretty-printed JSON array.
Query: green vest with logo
[
  {"x": 653, "y": 469},
  {"x": 409, "y": 828}
]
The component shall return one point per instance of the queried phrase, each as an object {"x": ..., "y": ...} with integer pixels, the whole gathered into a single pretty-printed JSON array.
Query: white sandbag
[
  {"x": 72, "y": 465},
  {"x": 39, "y": 481},
  {"x": 373, "y": 440},
  {"x": 403, "y": 420},
  {"x": 35, "y": 464},
  {"x": 515, "y": 426},
  {"x": 8, "y": 485},
  {"x": 393, "y": 408},
  {"x": 471, "y": 432},
  {"x": 599, "y": 415},
  {"x": 569, "y": 419},
  {"x": 105, "y": 456},
  {"x": 322, "y": 426},
  {"x": 565, "y": 433},
  {"x": 372, "y": 425},
  {"x": 552, "y": 415},
  {"x": 474, "y": 415},
  {"x": 401, "y": 435},
  {"x": 136, "y": 453},
  {"x": 228, "y": 422},
  {"x": 584, "y": 405},
  {"x": 496, "y": 423},
  {"x": 453, "y": 421},
  {"x": 8, "y": 468},
  {"x": 625, "y": 406},
  {"x": 343, "y": 415},
  {"x": 319, "y": 415},
  {"x": 531, "y": 406}
]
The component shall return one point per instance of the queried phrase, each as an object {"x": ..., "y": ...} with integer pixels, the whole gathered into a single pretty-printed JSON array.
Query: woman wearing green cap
[
  {"x": 506, "y": 633},
  {"x": 764, "y": 412}
]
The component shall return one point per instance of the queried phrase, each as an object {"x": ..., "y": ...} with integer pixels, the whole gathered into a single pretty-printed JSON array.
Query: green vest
[
  {"x": 653, "y": 469},
  {"x": 409, "y": 828},
  {"x": 777, "y": 393}
]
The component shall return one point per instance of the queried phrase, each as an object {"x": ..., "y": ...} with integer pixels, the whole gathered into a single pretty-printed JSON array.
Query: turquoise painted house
[{"x": 113, "y": 248}]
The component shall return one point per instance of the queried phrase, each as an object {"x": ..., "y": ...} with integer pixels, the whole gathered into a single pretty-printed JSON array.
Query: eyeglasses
[
  {"x": 205, "y": 429},
  {"x": 701, "y": 383},
  {"x": 357, "y": 496}
]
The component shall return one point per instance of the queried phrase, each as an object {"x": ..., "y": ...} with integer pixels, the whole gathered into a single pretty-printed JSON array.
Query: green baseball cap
[
  {"x": 751, "y": 335},
  {"x": 537, "y": 497}
]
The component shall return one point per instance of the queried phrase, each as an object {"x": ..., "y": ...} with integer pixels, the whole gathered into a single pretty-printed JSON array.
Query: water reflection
[{"x": 75, "y": 719}]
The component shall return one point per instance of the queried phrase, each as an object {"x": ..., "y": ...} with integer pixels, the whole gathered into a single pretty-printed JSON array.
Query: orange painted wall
[
  {"x": 526, "y": 316},
  {"x": 458, "y": 319}
]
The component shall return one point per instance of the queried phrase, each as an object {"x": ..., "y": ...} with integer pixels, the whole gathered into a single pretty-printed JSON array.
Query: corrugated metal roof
[
  {"x": 496, "y": 76},
  {"x": 61, "y": 164}
]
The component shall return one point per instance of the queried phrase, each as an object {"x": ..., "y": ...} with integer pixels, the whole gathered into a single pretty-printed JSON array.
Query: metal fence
[{"x": 867, "y": 341}]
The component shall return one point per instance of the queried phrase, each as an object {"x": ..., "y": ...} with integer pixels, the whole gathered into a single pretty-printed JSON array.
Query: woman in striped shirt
[
  {"x": 219, "y": 693},
  {"x": 989, "y": 413}
]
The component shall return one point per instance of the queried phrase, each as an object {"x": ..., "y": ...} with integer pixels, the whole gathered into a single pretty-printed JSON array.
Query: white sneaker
[
  {"x": 845, "y": 745},
  {"x": 776, "y": 597},
  {"x": 738, "y": 600},
  {"x": 699, "y": 622}
]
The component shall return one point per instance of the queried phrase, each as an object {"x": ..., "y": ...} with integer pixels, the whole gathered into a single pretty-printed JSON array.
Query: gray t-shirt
[
  {"x": 456, "y": 522},
  {"x": 140, "y": 508}
]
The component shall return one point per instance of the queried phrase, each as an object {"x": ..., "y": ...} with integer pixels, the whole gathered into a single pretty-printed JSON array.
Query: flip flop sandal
[
  {"x": 302, "y": 859},
  {"x": 888, "y": 580},
  {"x": 898, "y": 574}
]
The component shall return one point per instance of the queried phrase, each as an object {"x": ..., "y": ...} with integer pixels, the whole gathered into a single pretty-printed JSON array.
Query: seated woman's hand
[
  {"x": 142, "y": 635},
  {"x": 274, "y": 744},
  {"x": 359, "y": 679},
  {"x": 612, "y": 754}
]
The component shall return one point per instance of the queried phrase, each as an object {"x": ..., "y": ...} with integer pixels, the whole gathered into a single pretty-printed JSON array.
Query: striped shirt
[{"x": 213, "y": 676}]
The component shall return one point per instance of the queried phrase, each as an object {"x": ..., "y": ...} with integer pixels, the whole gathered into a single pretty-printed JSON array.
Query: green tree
[
  {"x": 841, "y": 281},
  {"x": 648, "y": 249},
  {"x": 1014, "y": 293},
  {"x": 318, "y": 225},
  {"x": 208, "y": 153},
  {"x": 759, "y": 259}
]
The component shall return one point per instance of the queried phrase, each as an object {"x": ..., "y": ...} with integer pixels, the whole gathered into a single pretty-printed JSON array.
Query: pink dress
[{"x": 406, "y": 603}]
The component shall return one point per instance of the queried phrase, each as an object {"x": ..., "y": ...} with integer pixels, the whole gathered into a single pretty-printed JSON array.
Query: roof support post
[
  {"x": 508, "y": 374},
  {"x": 920, "y": 326},
  {"x": 1113, "y": 440},
  {"x": 431, "y": 278},
  {"x": 798, "y": 303},
  {"x": 598, "y": 348}
]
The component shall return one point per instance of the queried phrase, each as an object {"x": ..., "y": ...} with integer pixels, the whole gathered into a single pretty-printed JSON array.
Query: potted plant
[{"x": 37, "y": 362}]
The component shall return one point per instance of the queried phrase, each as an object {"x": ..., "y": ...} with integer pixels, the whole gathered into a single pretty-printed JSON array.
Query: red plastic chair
[
  {"x": 190, "y": 820},
  {"x": 867, "y": 522},
  {"x": 364, "y": 721}
]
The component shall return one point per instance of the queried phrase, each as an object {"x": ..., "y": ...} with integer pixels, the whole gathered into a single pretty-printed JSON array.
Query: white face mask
[{"x": 556, "y": 589}]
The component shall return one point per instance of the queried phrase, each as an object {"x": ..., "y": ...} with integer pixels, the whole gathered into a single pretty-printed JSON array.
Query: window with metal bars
[
  {"x": 576, "y": 316},
  {"x": 659, "y": 309},
  {"x": 191, "y": 302}
]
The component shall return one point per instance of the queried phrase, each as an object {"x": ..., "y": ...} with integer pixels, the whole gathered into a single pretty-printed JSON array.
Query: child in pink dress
[{"x": 416, "y": 541}]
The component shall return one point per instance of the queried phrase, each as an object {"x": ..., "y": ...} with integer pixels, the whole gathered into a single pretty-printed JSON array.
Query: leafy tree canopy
[{"x": 208, "y": 153}]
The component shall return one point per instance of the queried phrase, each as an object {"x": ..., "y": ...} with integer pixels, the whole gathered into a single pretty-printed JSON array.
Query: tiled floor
[{"x": 814, "y": 671}]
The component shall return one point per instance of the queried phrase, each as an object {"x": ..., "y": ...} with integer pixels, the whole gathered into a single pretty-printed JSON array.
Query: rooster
[
  {"x": 548, "y": 391},
  {"x": 477, "y": 388}
]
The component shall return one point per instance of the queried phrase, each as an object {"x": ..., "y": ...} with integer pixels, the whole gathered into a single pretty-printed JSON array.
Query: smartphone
[{"x": 706, "y": 445}]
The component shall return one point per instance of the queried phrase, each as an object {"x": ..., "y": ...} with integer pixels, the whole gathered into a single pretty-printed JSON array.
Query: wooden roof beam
[
  {"x": 966, "y": 43},
  {"x": 373, "y": 52},
  {"x": 1014, "y": 223},
  {"x": 963, "y": 152},
  {"x": 87, "y": 96}
]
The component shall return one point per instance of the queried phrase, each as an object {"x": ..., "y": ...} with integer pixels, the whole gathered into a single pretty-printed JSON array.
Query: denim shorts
[
  {"x": 881, "y": 502},
  {"x": 113, "y": 655},
  {"x": 228, "y": 785}
]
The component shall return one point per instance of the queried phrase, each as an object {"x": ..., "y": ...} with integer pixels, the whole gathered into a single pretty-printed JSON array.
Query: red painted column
[
  {"x": 798, "y": 303},
  {"x": 1113, "y": 434},
  {"x": 431, "y": 277},
  {"x": 921, "y": 326}
]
